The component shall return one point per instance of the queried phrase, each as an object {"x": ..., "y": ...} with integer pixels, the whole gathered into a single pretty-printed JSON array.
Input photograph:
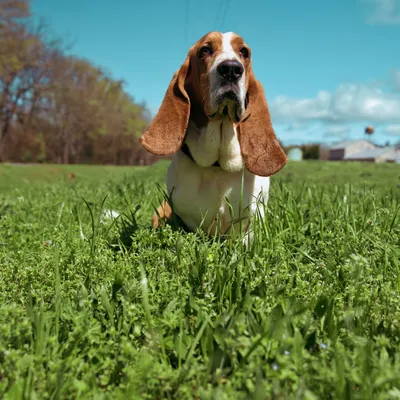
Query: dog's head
[{"x": 217, "y": 79}]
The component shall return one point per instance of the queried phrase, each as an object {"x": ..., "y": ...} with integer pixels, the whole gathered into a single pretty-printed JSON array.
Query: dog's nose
[{"x": 230, "y": 70}]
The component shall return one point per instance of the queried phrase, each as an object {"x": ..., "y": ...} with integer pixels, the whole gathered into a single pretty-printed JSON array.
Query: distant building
[
  {"x": 378, "y": 155},
  {"x": 363, "y": 150},
  {"x": 295, "y": 154},
  {"x": 344, "y": 149}
]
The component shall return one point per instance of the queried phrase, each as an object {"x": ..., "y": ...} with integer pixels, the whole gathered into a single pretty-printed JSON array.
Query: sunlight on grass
[{"x": 96, "y": 307}]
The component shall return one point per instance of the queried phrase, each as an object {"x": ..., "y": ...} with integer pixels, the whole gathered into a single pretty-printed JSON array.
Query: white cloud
[
  {"x": 393, "y": 130},
  {"x": 292, "y": 109},
  {"x": 383, "y": 11},
  {"x": 349, "y": 103}
]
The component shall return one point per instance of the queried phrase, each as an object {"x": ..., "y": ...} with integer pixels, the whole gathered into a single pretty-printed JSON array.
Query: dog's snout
[{"x": 230, "y": 70}]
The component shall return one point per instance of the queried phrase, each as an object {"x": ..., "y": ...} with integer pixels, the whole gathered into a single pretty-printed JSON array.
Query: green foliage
[
  {"x": 310, "y": 151},
  {"x": 96, "y": 307}
]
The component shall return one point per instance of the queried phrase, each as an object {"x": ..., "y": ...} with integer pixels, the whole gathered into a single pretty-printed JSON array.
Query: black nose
[{"x": 230, "y": 70}]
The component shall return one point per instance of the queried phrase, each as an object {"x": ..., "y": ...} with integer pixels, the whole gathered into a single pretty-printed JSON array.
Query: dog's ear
[
  {"x": 167, "y": 131},
  {"x": 260, "y": 148}
]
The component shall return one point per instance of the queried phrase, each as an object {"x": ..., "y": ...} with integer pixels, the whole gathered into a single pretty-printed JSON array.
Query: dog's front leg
[{"x": 163, "y": 212}]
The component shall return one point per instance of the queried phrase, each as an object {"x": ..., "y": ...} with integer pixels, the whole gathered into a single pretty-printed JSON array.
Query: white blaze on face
[
  {"x": 227, "y": 50},
  {"x": 227, "y": 53}
]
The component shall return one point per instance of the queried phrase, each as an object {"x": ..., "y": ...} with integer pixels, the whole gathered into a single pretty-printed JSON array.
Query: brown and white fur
[{"x": 217, "y": 110}]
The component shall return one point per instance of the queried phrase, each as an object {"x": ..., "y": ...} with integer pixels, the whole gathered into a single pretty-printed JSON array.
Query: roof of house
[
  {"x": 369, "y": 154},
  {"x": 345, "y": 143}
]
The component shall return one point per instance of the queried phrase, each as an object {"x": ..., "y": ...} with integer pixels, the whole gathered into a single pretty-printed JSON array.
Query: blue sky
[{"x": 329, "y": 67}]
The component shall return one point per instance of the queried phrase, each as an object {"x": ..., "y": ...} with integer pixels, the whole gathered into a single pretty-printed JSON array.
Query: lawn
[{"x": 103, "y": 308}]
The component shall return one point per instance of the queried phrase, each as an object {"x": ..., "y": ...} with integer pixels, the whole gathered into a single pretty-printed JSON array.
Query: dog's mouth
[
  {"x": 228, "y": 92},
  {"x": 228, "y": 103}
]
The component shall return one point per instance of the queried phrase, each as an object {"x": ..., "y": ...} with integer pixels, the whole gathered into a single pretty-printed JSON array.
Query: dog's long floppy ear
[
  {"x": 260, "y": 148},
  {"x": 167, "y": 131}
]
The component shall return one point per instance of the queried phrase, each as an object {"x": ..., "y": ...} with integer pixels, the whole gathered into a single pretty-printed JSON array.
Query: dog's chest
[
  {"x": 210, "y": 198},
  {"x": 215, "y": 142}
]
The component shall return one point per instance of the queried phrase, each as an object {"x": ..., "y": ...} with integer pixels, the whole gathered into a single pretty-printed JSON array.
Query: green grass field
[{"x": 97, "y": 308}]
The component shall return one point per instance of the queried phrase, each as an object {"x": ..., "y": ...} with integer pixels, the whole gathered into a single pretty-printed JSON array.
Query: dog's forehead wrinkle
[{"x": 214, "y": 38}]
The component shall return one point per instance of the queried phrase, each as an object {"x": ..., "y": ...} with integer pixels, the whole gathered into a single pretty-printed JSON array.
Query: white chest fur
[
  {"x": 214, "y": 198},
  {"x": 217, "y": 141}
]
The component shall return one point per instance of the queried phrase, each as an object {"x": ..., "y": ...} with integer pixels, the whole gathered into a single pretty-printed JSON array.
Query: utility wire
[
  {"x": 186, "y": 32},
  {"x": 218, "y": 14},
  {"x": 225, "y": 12}
]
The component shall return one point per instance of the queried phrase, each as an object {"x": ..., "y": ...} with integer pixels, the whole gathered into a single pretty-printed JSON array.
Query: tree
[{"x": 60, "y": 108}]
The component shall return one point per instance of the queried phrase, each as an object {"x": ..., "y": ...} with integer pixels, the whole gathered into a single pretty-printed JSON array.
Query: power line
[
  {"x": 186, "y": 33},
  {"x": 225, "y": 12},
  {"x": 218, "y": 14}
]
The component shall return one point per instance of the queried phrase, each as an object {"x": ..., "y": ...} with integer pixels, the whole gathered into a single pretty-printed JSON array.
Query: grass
[
  {"x": 112, "y": 309},
  {"x": 26, "y": 175}
]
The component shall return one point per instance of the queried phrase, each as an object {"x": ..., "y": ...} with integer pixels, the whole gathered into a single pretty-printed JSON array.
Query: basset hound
[{"x": 215, "y": 121}]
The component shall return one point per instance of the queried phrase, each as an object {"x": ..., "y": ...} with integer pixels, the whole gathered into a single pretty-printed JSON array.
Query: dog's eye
[
  {"x": 244, "y": 52},
  {"x": 205, "y": 51}
]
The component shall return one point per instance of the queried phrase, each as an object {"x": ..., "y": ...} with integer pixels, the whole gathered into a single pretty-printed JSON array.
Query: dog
[{"x": 214, "y": 120}]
